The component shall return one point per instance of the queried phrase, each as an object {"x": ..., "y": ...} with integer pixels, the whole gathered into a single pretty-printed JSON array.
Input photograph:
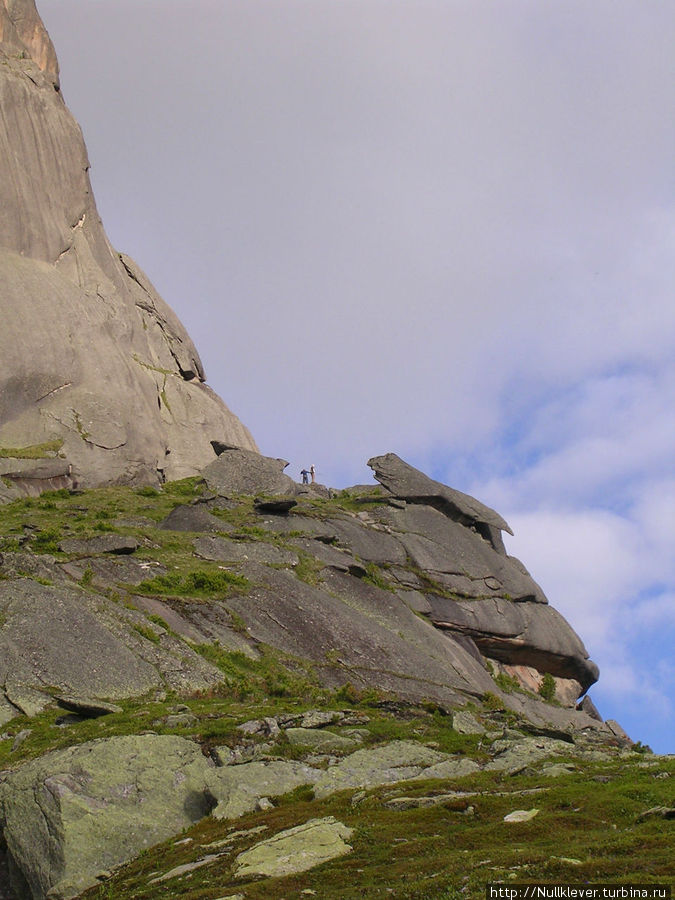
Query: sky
[{"x": 442, "y": 228}]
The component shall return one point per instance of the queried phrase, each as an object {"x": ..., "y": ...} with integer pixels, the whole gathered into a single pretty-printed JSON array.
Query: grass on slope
[{"x": 587, "y": 831}]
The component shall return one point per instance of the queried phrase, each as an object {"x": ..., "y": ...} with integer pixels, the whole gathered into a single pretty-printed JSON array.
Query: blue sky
[{"x": 444, "y": 228}]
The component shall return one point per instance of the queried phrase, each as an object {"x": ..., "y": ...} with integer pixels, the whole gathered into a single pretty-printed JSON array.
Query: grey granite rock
[
  {"x": 50, "y": 636},
  {"x": 223, "y": 550},
  {"x": 74, "y": 812},
  {"x": 408, "y": 483},
  {"x": 95, "y": 364},
  {"x": 245, "y": 472},
  {"x": 104, "y": 543},
  {"x": 193, "y": 518}
]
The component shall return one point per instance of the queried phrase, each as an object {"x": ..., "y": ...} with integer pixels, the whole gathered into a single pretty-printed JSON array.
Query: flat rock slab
[
  {"x": 104, "y": 543},
  {"x": 396, "y": 761},
  {"x": 465, "y": 723},
  {"x": 512, "y": 756},
  {"x": 296, "y": 849},
  {"x": 223, "y": 550},
  {"x": 72, "y": 813},
  {"x": 246, "y": 472},
  {"x": 239, "y": 788},
  {"x": 521, "y": 815},
  {"x": 454, "y": 800},
  {"x": 87, "y": 706},
  {"x": 112, "y": 571},
  {"x": 455, "y": 767},
  {"x": 320, "y": 740},
  {"x": 50, "y": 636}
]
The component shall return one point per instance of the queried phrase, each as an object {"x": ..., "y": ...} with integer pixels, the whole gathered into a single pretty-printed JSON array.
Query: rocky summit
[
  {"x": 218, "y": 683},
  {"x": 100, "y": 382}
]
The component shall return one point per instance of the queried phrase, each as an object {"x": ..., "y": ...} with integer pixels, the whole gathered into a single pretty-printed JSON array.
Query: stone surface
[
  {"x": 396, "y": 761},
  {"x": 223, "y": 550},
  {"x": 455, "y": 801},
  {"x": 104, "y": 543},
  {"x": 320, "y": 740},
  {"x": 457, "y": 767},
  {"x": 408, "y": 483},
  {"x": 95, "y": 364},
  {"x": 75, "y": 812},
  {"x": 238, "y": 788},
  {"x": 617, "y": 730},
  {"x": 521, "y": 815},
  {"x": 532, "y": 634},
  {"x": 193, "y": 518},
  {"x": 513, "y": 754},
  {"x": 49, "y": 636},
  {"x": 85, "y": 706},
  {"x": 358, "y": 633},
  {"x": 458, "y": 557},
  {"x": 296, "y": 849},
  {"x": 465, "y": 723},
  {"x": 245, "y": 472}
]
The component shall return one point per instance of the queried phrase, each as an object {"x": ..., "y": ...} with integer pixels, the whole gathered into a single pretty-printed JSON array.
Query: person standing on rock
[
  {"x": 304, "y": 473},
  {"x": 312, "y": 472}
]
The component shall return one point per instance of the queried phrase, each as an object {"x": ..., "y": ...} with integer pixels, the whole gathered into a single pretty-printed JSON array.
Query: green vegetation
[
  {"x": 586, "y": 832},
  {"x": 547, "y": 687},
  {"x": 194, "y": 583},
  {"x": 588, "y": 828},
  {"x": 45, "y": 450}
]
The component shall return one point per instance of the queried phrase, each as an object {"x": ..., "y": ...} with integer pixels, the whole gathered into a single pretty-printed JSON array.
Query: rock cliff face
[{"x": 100, "y": 383}]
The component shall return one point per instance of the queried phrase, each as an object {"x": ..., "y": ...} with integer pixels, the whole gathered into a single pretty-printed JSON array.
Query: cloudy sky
[{"x": 440, "y": 227}]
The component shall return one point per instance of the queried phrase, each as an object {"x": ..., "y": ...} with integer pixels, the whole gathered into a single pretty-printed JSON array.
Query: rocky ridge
[{"x": 119, "y": 597}]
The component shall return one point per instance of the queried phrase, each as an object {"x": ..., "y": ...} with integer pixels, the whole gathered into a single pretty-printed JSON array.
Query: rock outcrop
[
  {"x": 100, "y": 382},
  {"x": 79, "y": 811}
]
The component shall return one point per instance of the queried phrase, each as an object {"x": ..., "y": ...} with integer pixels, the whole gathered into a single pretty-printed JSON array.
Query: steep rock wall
[{"x": 97, "y": 371}]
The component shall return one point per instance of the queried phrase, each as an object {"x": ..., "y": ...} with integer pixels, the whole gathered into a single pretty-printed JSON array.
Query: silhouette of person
[{"x": 305, "y": 479}]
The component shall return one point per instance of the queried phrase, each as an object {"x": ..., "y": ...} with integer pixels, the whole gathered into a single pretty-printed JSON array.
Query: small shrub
[
  {"x": 46, "y": 541},
  {"x": 507, "y": 683},
  {"x": 147, "y": 633},
  {"x": 492, "y": 701},
  {"x": 547, "y": 687},
  {"x": 147, "y": 491}
]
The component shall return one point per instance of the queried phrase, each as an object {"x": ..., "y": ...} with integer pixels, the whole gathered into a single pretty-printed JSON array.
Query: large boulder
[
  {"x": 408, "y": 483},
  {"x": 73, "y": 813},
  {"x": 529, "y": 634},
  {"x": 98, "y": 373},
  {"x": 238, "y": 471}
]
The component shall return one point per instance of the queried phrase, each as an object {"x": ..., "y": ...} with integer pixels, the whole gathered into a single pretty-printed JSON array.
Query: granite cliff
[
  {"x": 187, "y": 636},
  {"x": 100, "y": 382}
]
